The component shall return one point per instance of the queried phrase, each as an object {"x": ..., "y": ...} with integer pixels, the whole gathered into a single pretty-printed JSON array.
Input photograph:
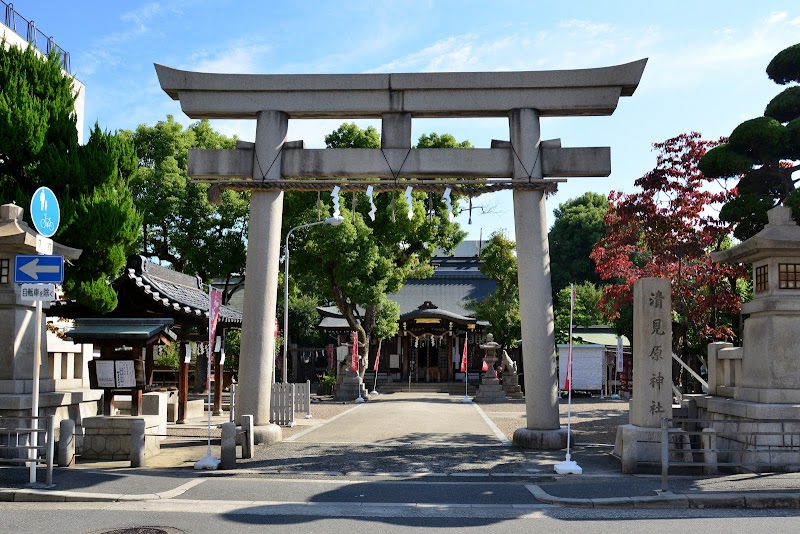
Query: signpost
[{"x": 37, "y": 270}]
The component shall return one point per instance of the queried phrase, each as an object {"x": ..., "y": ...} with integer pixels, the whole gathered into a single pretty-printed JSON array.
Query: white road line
[
  {"x": 502, "y": 437},
  {"x": 334, "y": 418},
  {"x": 180, "y": 490}
]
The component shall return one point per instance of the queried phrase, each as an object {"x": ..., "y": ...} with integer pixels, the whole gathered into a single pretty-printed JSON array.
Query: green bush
[
  {"x": 233, "y": 339},
  {"x": 169, "y": 356},
  {"x": 785, "y": 106},
  {"x": 328, "y": 378}
]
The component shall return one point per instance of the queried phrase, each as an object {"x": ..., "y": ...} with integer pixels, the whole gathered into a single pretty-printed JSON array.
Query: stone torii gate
[{"x": 527, "y": 165}]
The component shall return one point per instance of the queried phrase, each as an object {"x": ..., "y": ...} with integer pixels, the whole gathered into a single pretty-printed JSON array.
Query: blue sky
[{"x": 705, "y": 70}]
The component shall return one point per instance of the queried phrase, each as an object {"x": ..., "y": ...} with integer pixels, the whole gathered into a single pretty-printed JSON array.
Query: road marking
[
  {"x": 180, "y": 490},
  {"x": 311, "y": 429},
  {"x": 502, "y": 437}
]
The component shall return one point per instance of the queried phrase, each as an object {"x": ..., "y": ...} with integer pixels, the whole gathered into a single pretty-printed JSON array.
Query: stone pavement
[{"x": 415, "y": 437}]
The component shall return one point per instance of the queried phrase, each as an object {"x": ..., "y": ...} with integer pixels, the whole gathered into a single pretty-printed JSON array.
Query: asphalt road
[{"x": 192, "y": 518}]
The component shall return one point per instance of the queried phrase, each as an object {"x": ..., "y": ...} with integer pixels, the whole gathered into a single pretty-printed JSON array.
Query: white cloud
[
  {"x": 592, "y": 29},
  {"x": 451, "y": 54},
  {"x": 108, "y": 50},
  {"x": 778, "y": 16},
  {"x": 144, "y": 14},
  {"x": 243, "y": 57},
  {"x": 722, "y": 58}
]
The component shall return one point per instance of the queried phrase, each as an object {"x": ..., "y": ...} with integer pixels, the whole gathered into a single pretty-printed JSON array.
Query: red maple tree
[{"x": 669, "y": 229}]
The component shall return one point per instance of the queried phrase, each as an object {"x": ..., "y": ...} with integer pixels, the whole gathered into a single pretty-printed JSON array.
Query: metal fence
[
  {"x": 739, "y": 445},
  {"x": 21, "y": 443},
  {"x": 33, "y": 35},
  {"x": 288, "y": 399}
]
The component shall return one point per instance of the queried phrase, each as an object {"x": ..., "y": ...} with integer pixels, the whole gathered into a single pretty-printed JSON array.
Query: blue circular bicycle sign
[{"x": 45, "y": 212}]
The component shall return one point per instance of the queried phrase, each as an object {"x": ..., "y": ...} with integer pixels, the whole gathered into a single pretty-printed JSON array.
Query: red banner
[
  {"x": 354, "y": 364},
  {"x": 331, "y": 356},
  {"x": 214, "y": 303},
  {"x": 377, "y": 357},
  {"x": 464, "y": 357}
]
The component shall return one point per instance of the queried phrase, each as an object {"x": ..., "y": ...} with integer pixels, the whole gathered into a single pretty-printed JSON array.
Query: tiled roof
[
  {"x": 455, "y": 282},
  {"x": 173, "y": 291},
  {"x": 449, "y": 292},
  {"x": 147, "y": 288}
]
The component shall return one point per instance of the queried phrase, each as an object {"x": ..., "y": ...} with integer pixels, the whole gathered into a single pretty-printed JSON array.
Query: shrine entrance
[
  {"x": 432, "y": 341},
  {"x": 525, "y": 163}
]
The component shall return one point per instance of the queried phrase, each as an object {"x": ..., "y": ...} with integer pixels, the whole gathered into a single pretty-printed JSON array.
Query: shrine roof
[
  {"x": 119, "y": 329},
  {"x": 148, "y": 288}
]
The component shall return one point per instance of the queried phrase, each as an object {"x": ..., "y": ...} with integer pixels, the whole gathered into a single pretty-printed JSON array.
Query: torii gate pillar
[
  {"x": 260, "y": 298},
  {"x": 535, "y": 295}
]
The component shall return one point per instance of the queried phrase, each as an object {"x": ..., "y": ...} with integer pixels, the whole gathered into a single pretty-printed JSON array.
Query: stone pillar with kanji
[
  {"x": 639, "y": 443},
  {"x": 652, "y": 352}
]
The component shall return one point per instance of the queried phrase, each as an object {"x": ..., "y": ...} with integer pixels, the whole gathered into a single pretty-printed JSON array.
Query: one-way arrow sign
[{"x": 38, "y": 269}]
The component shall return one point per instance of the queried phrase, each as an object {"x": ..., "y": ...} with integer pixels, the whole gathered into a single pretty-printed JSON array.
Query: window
[
  {"x": 4, "y": 271},
  {"x": 789, "y": 275},
  {"x": 762, "y": 278}
]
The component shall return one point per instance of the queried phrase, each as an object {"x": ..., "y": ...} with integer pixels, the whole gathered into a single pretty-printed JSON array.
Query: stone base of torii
[{"x": 526, "y": 165}]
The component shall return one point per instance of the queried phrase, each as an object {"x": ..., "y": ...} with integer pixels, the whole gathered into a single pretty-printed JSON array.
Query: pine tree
[
  {"x": 763, "y": 153},
  {"x": 39, "y": 147}
]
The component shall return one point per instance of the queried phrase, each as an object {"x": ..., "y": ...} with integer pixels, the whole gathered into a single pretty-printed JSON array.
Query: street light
[{"x": 333, "y": 221}]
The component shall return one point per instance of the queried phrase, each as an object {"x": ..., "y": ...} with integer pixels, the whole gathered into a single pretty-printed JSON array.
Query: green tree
[
  {"x": 761, "y": 151},
  {"x": 501, "y": 308},
  {"x": 586, "y": 313},
  {"x": 39, "y": 147},
  {"x": 667, "y": 230},
  {"x": 358, "y": 262},
  {"x": 181, "y": 226},
  {"x": 577, "y": 228}
]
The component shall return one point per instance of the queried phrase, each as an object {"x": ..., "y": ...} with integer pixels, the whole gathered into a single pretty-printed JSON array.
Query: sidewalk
[{"x": 414, "y": 437}]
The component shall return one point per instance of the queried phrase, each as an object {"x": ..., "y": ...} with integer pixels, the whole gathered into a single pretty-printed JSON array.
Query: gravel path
[{"x": 593, "y": 420}]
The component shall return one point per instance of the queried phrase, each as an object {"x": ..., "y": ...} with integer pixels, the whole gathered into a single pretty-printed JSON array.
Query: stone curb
[
  {"x": 41, "y": 495},
  {"x": 677, "y": 500}
]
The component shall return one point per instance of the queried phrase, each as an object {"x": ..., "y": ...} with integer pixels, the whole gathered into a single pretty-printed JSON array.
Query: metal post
[
  {"x": 37, "y": 361},
  {"x": 51, "y": 436},
  {"x": 664, "y": 455},
  {"x": 308, "y": 399},
  {"x": 232, "y": 407},
  {"x": 293, "y": 391}
]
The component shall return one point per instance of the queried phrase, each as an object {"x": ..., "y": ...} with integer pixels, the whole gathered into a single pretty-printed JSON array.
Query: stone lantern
[
  {"x": 770, "y": 366},
  {"x": 16, "y": 355},
  {"x": 490, "y": 389}
]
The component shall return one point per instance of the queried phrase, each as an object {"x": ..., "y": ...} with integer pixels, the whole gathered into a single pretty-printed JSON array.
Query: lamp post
[{"x": 333, "y": 221}]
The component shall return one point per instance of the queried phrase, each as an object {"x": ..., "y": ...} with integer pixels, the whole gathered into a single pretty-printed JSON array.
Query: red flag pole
[
  {"x": 464, "y": 370},
  {"x": 568, "y": 466},
  {"x": 375, "y": 369},
  {"x": 214, "y": 302}
]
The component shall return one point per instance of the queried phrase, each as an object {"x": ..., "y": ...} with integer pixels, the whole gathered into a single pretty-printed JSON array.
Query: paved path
[{"x": 409, "y": 418}]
